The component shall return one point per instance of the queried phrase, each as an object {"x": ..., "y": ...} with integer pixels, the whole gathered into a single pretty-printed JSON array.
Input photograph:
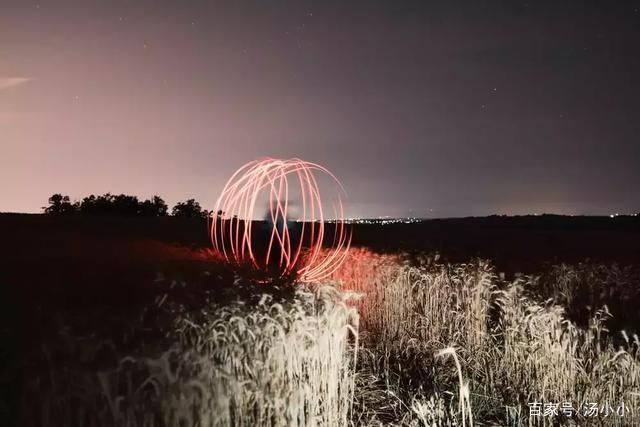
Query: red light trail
[{"x": 291, "y": 243}]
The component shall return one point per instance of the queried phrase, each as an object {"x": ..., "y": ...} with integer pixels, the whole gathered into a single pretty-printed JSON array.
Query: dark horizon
[
  {"x": 423, "y": 109},
  {"x": 391, "y": 218}
]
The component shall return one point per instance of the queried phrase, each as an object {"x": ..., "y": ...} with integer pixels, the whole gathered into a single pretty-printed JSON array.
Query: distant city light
[{"x": 384, "y": 220}]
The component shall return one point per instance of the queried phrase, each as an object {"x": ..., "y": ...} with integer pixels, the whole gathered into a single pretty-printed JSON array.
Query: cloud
[{"x": 7, "y": 82}]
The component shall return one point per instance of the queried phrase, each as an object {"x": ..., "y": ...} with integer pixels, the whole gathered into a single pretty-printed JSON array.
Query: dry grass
[
  {"x": 270, "y": 364},
  {"x": 512, "y": 348},
  {"x": 389, "y": 342}
]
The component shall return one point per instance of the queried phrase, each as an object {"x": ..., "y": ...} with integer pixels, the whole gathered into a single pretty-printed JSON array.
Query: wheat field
[{"x": 387, "y": 340}]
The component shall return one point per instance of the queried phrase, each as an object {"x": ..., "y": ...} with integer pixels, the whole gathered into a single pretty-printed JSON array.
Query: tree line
[{"x": 122, "y": 204}]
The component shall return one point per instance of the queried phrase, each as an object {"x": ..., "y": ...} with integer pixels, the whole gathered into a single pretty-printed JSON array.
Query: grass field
[{"x": 392, "y": 338}]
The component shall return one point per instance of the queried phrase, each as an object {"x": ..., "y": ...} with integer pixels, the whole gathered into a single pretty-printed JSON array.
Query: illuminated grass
[
  {"x": 386, "y": 342},
  {"x": 270, "y": 363},
  {"x": 510, "y": 349}
]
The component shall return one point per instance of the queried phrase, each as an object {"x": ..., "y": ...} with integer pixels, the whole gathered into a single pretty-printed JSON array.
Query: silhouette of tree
[
  {"x": 123, "y": 205},
  {"x": 59, "y": 204},
  {"x": 92, "y": 205},
  {"x": 154, "y": 207},
  {"x": 96, "y": 205},
  {"x": 188, "y": 209},
  {"x": 108, "y": 203}
]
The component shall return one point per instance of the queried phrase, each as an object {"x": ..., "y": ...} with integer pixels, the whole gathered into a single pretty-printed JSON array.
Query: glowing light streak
[{"x": 293, "y": 244}]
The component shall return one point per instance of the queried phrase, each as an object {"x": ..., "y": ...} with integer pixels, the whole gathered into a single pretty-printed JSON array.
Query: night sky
[{"x": 429, "y": 109}]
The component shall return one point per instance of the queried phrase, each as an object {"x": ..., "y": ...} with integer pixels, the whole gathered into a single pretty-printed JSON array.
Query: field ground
[{"x": 115, "y": 321}]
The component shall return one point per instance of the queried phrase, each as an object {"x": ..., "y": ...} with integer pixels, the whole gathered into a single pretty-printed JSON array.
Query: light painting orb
[{"x": 271, "y": 214}]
